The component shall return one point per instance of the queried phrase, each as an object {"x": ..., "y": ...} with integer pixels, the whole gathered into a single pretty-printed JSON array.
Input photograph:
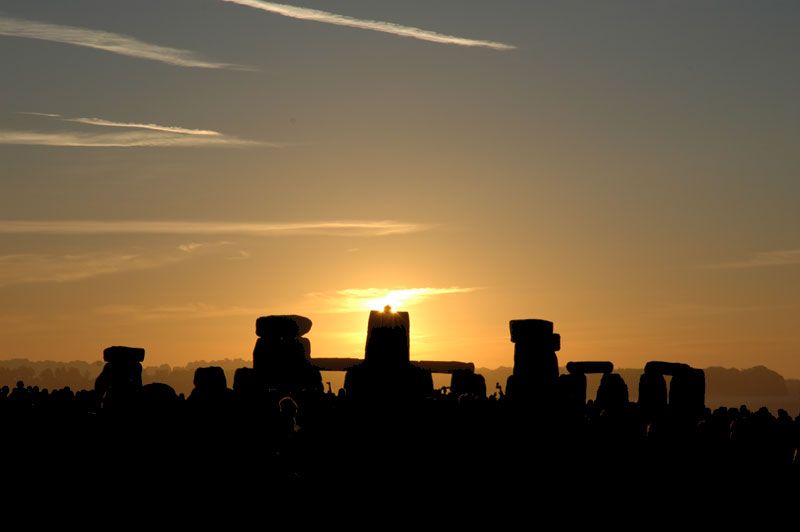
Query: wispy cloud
[
  {"x": 33, "y": 113},
  {"x": 107, "y": 41},
  {"x": 132, "y": 139},
  {"x": 361, "y": 299},
  {"x": 315, "y": 15},
  {"x": 153, "y": 135},
  {"x": 786, "y": 257},
  {"x": 191, "y": 247},
  {"x": 154, "y": 127},
  {"x": 96, "y": 227},
  {"x": 182, "y": 311}
]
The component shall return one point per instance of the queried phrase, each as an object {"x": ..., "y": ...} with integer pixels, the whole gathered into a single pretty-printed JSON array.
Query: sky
[{"x": 170, "y": 170}]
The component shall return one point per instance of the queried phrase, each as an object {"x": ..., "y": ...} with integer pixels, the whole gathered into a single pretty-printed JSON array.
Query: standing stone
[
  {"x": 535, "y": 375},
  {"x": 666, "y": 368},
  {"x": 121, "y": 378},
  {"x": 687, "y": 389},
  {"x": 572, "y": 387},
  {"x": 572, "y": 391},
  {"x": 387, "y": 372},
  {"x": 388, "y": 338},
  {"x": 465, "y": 382},
  {"x": 612, "y": 394},
  {"x": 652, "y": 393},
  {"x": 210, "y": 387},
  {"x": 282, "y": 357},
  {"x": 687, "y": 392}
]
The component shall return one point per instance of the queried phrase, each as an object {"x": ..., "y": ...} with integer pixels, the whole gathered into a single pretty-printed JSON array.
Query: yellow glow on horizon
[
  {"x": 397, "y": 298},
  {"x": 393, "y": 298}
]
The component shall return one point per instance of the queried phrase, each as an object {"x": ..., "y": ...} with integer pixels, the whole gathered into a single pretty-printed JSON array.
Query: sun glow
[
  {"x": 361, "y": 299},
  {"x": 394, "y": 299}
]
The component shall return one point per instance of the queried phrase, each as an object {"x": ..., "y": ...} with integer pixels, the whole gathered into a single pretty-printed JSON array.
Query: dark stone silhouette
[
  {"x": 686, "y": 391},
  {"x": 121, "y": 377},
  {"x": 282, "y": 358},
  {"x": 125, "y": 355},
  {"x": 665, "y": 368},
  {"x": 285, "y": 326},
  {"x": 535, "y": 375},
  {"x": 387, "y": 372},
  {"x": 590, "y": 367},
  {"x": 210, "y": 387},
  {"x": 209, "y": 380},
  {"x": 465, "y": 382},
  {"x": 388, "y": 338},
  {"x": 572, "y": 387},
  {"x": 652, "y": 393},
  {"x": 245, "y": 381},
  {"x": 572, "y": 391},
  {"x": 613, "y": 392},
  {"x": 158, "y": 399}
]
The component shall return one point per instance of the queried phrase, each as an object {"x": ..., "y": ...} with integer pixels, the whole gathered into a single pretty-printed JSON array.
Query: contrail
[
  {"x": 156, "y": 135},
  {"x": 48, "y": 115},
  {"x": 137, "y": 139},
  {"x": 133, "y": 125},
  {"x": 304, "y": 13},
  {"x": 110, "y": 42},
  {"x": 97, "y": 227}
]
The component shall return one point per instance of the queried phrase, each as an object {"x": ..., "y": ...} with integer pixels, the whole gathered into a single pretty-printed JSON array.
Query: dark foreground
[{"x": 329, "y": 440}]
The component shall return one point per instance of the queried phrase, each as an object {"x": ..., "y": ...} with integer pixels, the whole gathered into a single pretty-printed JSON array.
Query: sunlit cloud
[
  {"x": 177, "y": 312},
  {"x": 133, "y": 139},
  {"x": 107, "y": 41},
  {"x": 362, "y": 299},
  {"x": 315, "y": 15},
  {"x": 33, "y": 113},
  {"x": 191, "y": 247},
  {"x": 153, "y": 135},
  {"x": 134, "y": 125},
  {"x": 96, "y": 227},
  {"x": 787, "y": 257}
]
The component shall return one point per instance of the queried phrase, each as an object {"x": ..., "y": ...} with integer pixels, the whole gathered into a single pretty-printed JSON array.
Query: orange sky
[{"x": 627, "y": 171}]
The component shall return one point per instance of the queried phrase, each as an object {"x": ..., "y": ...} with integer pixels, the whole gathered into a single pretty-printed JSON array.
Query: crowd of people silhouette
[{"x": 389, "y": 420}]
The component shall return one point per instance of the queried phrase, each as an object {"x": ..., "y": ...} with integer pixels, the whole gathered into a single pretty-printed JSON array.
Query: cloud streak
[
  {"x": 95, "y": 227},
  {"x": 786, "y": 257},
  {"x": 133, "y": 125},
  {"x": 109, "y": 42},
  {"x": 132, "y": 139},
  {"x": 315, "y": 15},
  {"x": 150, "y": 136},
  {"x": 192, "y": 247},
  {"x": 32, "y": 113},
  {"x": 361, "y": 299}
]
